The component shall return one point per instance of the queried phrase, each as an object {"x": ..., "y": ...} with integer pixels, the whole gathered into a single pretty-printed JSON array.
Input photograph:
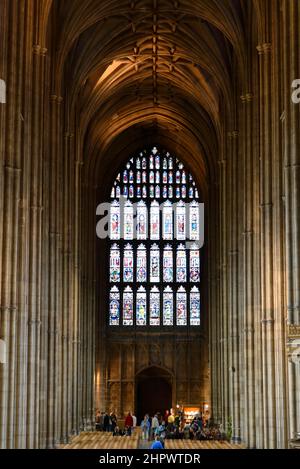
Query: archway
[{"x": 153, "y": 392}]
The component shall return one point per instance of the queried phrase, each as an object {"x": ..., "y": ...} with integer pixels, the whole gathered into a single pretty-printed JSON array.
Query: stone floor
[{"x": 98, "y": 440}]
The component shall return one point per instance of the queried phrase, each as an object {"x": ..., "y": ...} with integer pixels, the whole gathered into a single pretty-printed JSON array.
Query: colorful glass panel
[
  {"x": 115, "y": 231},
  {"x": 168, "y": 307},
  {"x": 128, "y": 221},
  {"x": 154, "y": 312},
  {"x": 181, "y": 307},
  {"x": 195, "y": 307},
  {"x": 154, "y": 264},
  {"x": 194, "y": 221},
  {"x": 128, "y": 264},
  {"x": 141, "y": 265},
  {"x": 114, "y": 307},
  {"x": 168, "y": 265},
  {"x": 154, "y": 221},
  {"x": 141, "y": 228},
  {"x": 181, "y": 276},
  {"x": 180, "y": 222},
  {"x": 168, "y": 221},
  {"x": 194, "y": 264},
  {"x": 115, "y": 264},
  {"x": 128, "y": 307},
  {"x": 141, "y": 307}
]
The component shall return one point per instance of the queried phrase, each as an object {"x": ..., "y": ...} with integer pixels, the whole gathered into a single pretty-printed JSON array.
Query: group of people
[
  {"x": 109, "y": 423},
  {"x": 160, "y": 427},
  {"x": 176, "y": 427}
]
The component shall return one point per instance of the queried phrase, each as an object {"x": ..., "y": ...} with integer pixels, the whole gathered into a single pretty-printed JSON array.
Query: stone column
[
  {"x": 233, "y": 309},
  {"x": 291, "y": 53},
  {"x": 267, "y": 255}
]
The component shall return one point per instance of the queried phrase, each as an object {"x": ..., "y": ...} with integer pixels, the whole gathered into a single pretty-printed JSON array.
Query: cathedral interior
[{"x": 92, "y": 86}]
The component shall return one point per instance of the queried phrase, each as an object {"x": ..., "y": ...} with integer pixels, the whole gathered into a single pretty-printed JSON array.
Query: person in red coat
[{"x": 129, "y": 422}]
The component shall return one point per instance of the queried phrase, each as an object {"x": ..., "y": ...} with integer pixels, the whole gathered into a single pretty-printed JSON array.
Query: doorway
[{"x": 153, "y": 392}]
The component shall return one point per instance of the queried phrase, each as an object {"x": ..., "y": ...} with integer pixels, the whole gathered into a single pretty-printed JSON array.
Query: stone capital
[
  {"x": 247, "y": 98},
  {"x": 264, "y": 49},
  {"x": 39, "y": 50}
]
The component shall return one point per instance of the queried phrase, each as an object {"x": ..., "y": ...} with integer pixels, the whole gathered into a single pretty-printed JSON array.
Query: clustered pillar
[
  {"x": 259, "y": 257},
  {"x": 46, "y": 382}
]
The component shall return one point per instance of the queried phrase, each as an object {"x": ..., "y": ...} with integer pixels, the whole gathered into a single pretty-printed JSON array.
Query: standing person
[
  {"x": 129, "y": 422},
  {"x": 170, "y": 422},
  {"x": 157, "y": 444},
  {"x": 166, "y": 416},
  {"x": 106, "y": 422},
  {"x": 154, "y": 426},
  {"x": 145, "y": 425},
  {"x": 134, "y": 421},
  {"x": 113, "y": 421}
]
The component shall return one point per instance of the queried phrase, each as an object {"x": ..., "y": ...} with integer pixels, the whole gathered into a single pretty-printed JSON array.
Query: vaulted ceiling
[{"x": 132, "y": 71}]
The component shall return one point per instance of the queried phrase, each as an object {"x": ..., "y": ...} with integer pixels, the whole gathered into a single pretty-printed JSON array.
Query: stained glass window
[
  {"x": 181, "y": 265},
  {"x": 168, "y": 307},
  {"x": 155, "y": 221},
  {"x": 195, "y": 307},
  {"x": 128, "y": 307},
  {"x": 154, "y": 264},
  {"x": 128, "y": 221},
  {"x": 115, "y": 231},
  {"x": 141, "y": 307},
  {"x": 115, "y": 264},
  {"x": 155, "y": 307},
  {"x": 181, "y": 307},
  {"x": 128, "y": 264},
  {"x": 194, "y": 221},
  {"x": 180, "y": 221},
  {"x": 141, "y": 264},
  {"x": 168, "y": 221},
  {"x": 194, "y": 264},
  {"x": 154, "y": 277},
  {"x": 142, "y": 221},
  {"x": 168, "y": 264},
  {"x": 114, "y": 307}
]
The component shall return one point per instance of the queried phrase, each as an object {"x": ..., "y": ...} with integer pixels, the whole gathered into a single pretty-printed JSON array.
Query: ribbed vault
[{"x": 164, "y": 65}]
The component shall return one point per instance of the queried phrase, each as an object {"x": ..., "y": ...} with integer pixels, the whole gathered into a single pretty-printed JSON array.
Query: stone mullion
[
  {"x": 291, "y": 12},
  {"x": 267, "y": 318}
]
